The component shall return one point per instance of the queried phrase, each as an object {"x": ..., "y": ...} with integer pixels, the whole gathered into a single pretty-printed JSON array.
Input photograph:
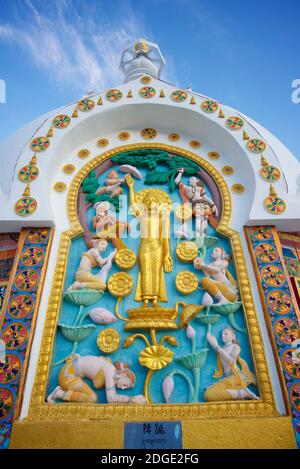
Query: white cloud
[{"x": 81, "y": 52}]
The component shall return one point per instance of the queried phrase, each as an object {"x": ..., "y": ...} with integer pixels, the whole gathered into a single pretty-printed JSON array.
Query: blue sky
[{"x": 245, "y": 54}]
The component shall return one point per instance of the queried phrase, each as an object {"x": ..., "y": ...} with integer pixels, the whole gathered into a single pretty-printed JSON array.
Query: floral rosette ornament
[
  {"x": 120, "y": 284},
  {"x": 209, "y": 106},
  {"x": 86, "y": 105},
  {"x": 61, "y": 121},
  {"x": 108, "y": 341},
  {"x": 113, "y": 95},
  {"x": 179, "y": 96},
  {"x": 147, "y": 92}
]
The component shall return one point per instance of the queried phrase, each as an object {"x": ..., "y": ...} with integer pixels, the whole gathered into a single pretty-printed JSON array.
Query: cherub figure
[
  {"x": 217, "y": 280},
  {"x": 203, "y": 207},
  {"x": 103, "y": 374},
  {"x": 237, "y": 375},
  {"x": 84, "y": 278},
  {"x": 112, "y": 185}
]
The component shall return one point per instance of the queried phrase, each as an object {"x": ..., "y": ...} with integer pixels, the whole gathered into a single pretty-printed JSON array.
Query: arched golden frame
[{"x": 40, "y": 410}]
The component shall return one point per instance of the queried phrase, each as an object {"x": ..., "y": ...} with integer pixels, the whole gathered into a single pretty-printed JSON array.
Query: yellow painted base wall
[{"x": 248, "y": 433}]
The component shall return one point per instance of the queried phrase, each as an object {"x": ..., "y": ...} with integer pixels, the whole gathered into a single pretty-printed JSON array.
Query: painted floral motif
[
  {"x": 286, "y": 330},
  {"x": 179, "y": 96},
  {"x": 270, "y": 173},
  {"x": 4, "y": 436},
  {"x": 262, "y": 233},
  {"x": 289, "y": 366},
  {"x": 20, "y": 306},
  {"x": 234, "y": 123},
  {"x": 10, "y": 369},
  {"x": 26, "y": 280},
  {"x": 25, "y": 206},
  {"x": 38, "y": 236},
  {"x": 148, "y": 133},
  {"x": 147, "y": 92},
  {"x": 113, "y": 95},
  {"x": 256, "y": 145},
  {"x": 273, "y": 275},
  {"x": 40, "y": 144},
  {"x": 32, "y": 256},
  {"x": 209, "y": 106},
  {"x": 266, "y": 252},
  {"x": 86, "y": 105},
  {"x": 274, "y": 205},
  {"x": 28, "y": 173},
  {"x": 14, "y": 335},
  {"x": 280, "y": 302},
  {"x": 6, "y": 402},
  {"x": 295, "y": 396},
  {"x": 61, "y": 121}
]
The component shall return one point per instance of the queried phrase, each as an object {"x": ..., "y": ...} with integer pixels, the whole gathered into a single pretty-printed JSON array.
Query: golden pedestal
[{"x": 155, "y": 317}]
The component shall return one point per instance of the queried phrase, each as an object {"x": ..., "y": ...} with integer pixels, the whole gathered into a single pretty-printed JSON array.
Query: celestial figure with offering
[{"x": 236, "y": 372}]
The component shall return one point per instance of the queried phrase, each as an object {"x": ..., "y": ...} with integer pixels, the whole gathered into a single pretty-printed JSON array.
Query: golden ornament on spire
[
  {"x": 162, "y": 94},
  {"x": 75, "y": 113},
  {"x": 264, "y": 161},
  {"x": 221, "y": 114},
  {"x": 272, "y": 192},
  {"x": 100, "y": 102},
  {"x": 193, "y": 101},
  {"x": 129, "y": 94},
  {"x": 33, "y": 160},
  {"x": 26, "y": 192},
  {"x": 245, "y": 135},
  {"x": 50, "y": 133}
]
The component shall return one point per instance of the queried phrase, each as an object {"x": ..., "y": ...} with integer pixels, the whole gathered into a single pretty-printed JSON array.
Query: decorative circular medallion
[
  {"x": 20, "y": 306},
  {"x": 148, "y": 133},
  {"x": 286, "y": 330},
  {"x": 183, "y": 212},
  {"x": 147, "y": 92},
  {"x": 38, "y": 235},
  {"x": 26, "y": 280},
  {"x": 60, "y": 186},
  {"x": 273, "y": 275},
  {"x": 40, "y": 144},
  {"x": 146, "y": 80},
  {"x": 213, "y": 155},
  {"x": 195, "y": 144},
  {"x": 124, "y": 135},
  {"x": 227, "y": 170},
  {"x": 187, "y": 251},
  {"x": 28, "y": 173},
  {"x": 270, "y": 173},
  {"x": 280, "y": 302},
  {"x": 125, "y": 259},
  {"x": 6, "y": 402},
  {"x": 209, "y": 106},
  {"x": 155, "y": 357},
  {"x": 266, "y": 252},
  {"x": 238, "y": 188},
  {"x": 108, "y": 340},
  {"x": 295, "y": 396},
  {"x": 84, "y": 153},
  {"x": 61, "y": 121},
  {"x": 113, "y": 95},
  {"x": 14, "y": 335},
  {"x": 103, "y": 142},
  {"x": 25, "y": 206},
  {"x": 186, "y": 282},
  {"x": 173, "y": 137},
  {"x": 10, "y": 369},
  {"x": 234, "y": 123},
  {"x": 274, "y": 205},
  {"x": 86, "y": 105},
  {"x": 262, "y": 233},
  {"x": 32, "y": 256},
  {"x": 288, "y": 364},
  {"x": 120, "y": 284},
  {"x": 68, "y": 168},
  {"x": 179, "y": 96},
  {"x": 256, "y": 145}
]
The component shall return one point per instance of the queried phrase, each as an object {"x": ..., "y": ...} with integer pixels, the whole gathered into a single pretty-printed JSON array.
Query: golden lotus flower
[
  {"x": 187, "y": 251},
  {"x": 108, "y": 341},
  {"x": 186, "y": 282},
  {"x": 125, "y": 258},
  {"x": 155, "y": 357},
  {"x": 120, "y": 284}
]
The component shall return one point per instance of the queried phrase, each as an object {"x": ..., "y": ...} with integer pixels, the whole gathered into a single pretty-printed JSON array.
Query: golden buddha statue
[{"x": 152, "y": 207}]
